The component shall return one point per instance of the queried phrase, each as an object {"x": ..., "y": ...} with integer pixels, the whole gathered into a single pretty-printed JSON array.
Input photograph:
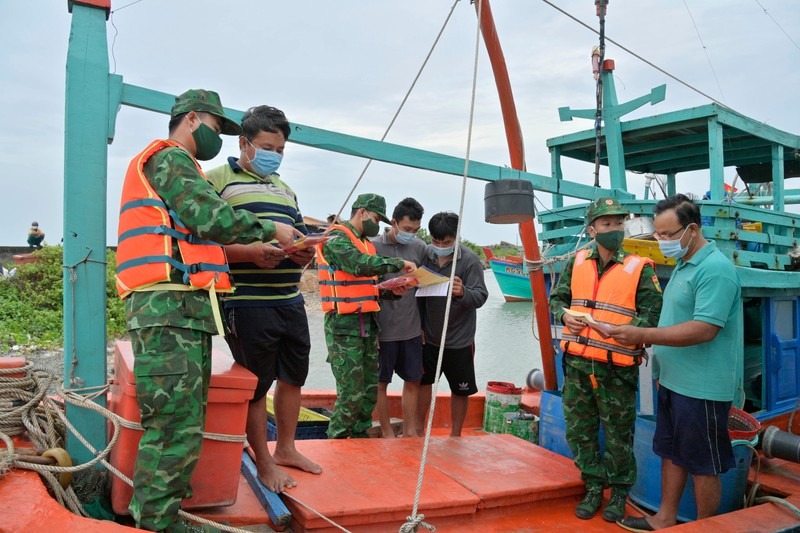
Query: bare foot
[
  {"x": 297, "y": 460},
  {"x": 389, "y": 434},
  {"x": 275, "y": 479}
]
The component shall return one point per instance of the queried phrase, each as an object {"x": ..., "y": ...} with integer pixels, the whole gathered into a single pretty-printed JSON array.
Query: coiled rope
[{"x": 25, "y": 407}]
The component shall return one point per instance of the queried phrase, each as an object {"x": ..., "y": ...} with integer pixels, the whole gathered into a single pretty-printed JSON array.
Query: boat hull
[{"x": 512, "y": 279}]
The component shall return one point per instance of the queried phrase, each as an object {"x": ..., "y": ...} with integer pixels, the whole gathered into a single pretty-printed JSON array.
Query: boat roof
[{"x": 678, "y": 141}]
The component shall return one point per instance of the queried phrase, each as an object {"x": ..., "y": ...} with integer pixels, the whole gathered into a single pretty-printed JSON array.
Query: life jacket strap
[
  {"x": 580, "y": 339},
  {"x": 592, "y": 304},
  {"x": 345, "y": 283},
  {"x": 348, "y": 299},
  {"x": 165, "y": 230},
  {"x": 152, "y": 202}
]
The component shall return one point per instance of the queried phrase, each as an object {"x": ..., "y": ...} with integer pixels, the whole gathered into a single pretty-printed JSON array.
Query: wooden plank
[{"x": 278, "y": 512}]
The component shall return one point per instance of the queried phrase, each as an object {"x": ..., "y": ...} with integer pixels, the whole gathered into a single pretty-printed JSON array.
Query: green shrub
[{"x": 31, "y": 302}]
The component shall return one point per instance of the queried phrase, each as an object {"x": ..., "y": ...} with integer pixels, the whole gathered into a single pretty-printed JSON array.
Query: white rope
[
  {"x": 533, "y": 265},
  {"x": 41, "y": 409},
  {"x": 397, "y": 113},
  {"x": 414, "y": 521},
  {"x": 334, "y": 524},
  {"x": 549, "y": 262}
]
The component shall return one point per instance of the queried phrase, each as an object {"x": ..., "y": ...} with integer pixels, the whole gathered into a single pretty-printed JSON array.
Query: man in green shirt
[
  {"x": 348, "y": 270},
  {"x": 171, "y": 327},
  {"x": 698, "y": 363}
]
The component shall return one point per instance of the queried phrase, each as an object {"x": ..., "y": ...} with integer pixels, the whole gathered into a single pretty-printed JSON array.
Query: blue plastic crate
[
  {"x": 306, "y": 430},
  {"x": 553, "y": 428}
]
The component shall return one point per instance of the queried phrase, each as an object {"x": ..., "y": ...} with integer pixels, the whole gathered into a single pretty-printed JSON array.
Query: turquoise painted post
[
  {"x": 777, "y": 176},
  {"x": 558, "y": 174},
  {"x": 85, "y": 162},
  {"x": 671, "y": 186},
  {"x": 612, "y": 124},
  {"x": 613, "y": 133},
  {"x": 778, "y": 184},
  {"x": 716, "y": 159}
]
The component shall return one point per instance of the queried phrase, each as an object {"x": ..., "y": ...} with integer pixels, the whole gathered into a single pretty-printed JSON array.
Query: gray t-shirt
[
  {"x": 399, "y": 319},
  {"x": 463, "y": 317}
]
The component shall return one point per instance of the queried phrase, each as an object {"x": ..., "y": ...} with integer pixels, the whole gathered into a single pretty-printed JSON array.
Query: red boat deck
[
  {"x": 479, "y": 482},
  {"x": 372, "y": 481}
]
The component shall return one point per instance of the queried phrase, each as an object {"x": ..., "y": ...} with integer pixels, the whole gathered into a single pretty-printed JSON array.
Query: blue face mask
[
  {"x": 443, "y": 251},
  {"x": 672, "y": 248},
  {"x": 403, "y": 237},
  {"x": 265, "y": 162}
]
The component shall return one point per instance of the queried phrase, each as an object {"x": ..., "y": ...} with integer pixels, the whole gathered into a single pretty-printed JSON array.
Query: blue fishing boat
[
  {"x": 480, "y": 482},
  {"x": 511, "y": 274}
]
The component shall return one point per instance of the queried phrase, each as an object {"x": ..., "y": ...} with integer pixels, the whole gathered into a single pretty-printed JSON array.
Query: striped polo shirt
[{"x": 268, "y": 198}]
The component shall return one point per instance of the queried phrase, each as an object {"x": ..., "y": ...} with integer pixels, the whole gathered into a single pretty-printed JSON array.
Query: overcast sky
[{"x": 346, "y": 65}]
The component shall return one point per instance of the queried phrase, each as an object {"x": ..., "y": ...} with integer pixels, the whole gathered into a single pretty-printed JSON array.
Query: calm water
[{"x": 505, "y": 349}]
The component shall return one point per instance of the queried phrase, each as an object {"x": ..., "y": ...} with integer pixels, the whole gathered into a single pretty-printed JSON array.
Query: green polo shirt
[{"x": 704, "y": 288}]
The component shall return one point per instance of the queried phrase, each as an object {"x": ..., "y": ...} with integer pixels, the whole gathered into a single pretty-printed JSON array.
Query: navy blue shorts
[
  {"x": 403, "y": 357},
  {"x": 458, "y": 366},
  {"x": 270, "y": 342},
  {"x": 693, "y": 433}
]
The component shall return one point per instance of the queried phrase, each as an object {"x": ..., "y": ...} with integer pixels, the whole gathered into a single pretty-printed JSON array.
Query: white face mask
[
  {"x": 404, "y": 237},
  {"x": 672, "y": 248},
  {"x": 441, "y": 252}
]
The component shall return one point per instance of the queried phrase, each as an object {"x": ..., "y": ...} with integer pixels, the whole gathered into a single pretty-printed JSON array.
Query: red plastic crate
[{"x": 216, "y": 479}]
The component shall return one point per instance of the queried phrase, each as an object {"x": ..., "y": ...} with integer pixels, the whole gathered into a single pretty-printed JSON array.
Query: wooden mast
[{"x": 516, "y": 151}]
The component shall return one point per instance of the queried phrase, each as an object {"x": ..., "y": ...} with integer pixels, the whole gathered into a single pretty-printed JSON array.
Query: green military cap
[
  {"x": 200, "y": 100},
  {"x": 372, "y": 202},
  {"x": 604, "y": 206}
]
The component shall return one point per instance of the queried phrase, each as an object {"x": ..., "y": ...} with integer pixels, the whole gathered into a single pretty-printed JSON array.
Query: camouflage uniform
[
  {"x": 171, "y": 337},
  {"x": 613, "y": 402},
  {"x": 352, "y": 341}
]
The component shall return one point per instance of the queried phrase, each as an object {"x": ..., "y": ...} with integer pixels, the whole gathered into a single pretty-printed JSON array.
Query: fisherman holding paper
[
  {"x": 400, "y": 348},
  {"x": 603, "y": 285}
]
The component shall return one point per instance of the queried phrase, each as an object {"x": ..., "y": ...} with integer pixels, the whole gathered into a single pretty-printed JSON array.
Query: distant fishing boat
[{"x": 511, "y": 275}]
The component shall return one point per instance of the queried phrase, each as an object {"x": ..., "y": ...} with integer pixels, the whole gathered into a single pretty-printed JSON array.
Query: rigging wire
[
  {"x": 400, "y": 108},
  {"x": 598, "y": 116},
  {"x": 416, "y": 519},
  {"x": 705, "y": 49},
  {"x": 640, "y": 58},
  {"x": 777, "y": 24},
  {"x": 116, "y": 32}
]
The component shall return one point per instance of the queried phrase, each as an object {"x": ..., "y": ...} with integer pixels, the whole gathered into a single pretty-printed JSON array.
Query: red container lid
[
  {"x": 225, "y": 373},
  {"x": 503, "y": 387},
  {"x": 12, "y": 362}
]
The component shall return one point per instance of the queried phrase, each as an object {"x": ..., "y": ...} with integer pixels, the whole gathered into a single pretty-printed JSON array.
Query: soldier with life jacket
[
  {"x": 603, "y": 284},
  {"x": 348, "y": 270},
  {"x": 170, "y": 264}
]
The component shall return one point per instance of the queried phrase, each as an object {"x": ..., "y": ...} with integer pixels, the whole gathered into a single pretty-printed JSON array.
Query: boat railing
[{"x": 749, "y": 236}]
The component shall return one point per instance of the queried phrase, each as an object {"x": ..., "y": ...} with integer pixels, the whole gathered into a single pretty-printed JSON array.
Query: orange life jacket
[
  {"x": 146, "y": 231},
  {"x": 595, "y": 296},
  {"x": 344, "y": 292}
]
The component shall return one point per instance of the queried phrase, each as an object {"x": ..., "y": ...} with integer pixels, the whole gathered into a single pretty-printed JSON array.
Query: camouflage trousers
[
  {"x": 172, "y": 367},
  {"x": 613, "y": 403},
  {"x": 354, "y": 362}
]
